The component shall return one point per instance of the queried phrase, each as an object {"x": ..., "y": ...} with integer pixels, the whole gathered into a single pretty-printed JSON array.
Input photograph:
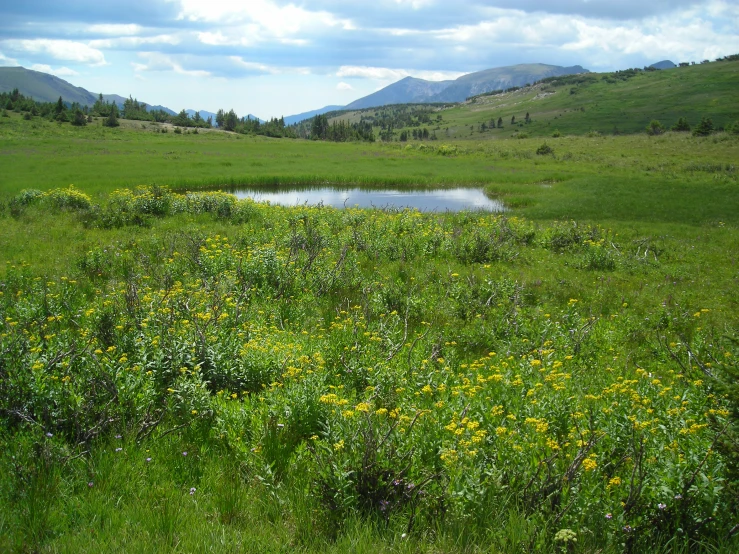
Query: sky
[{"x": 277, "y": 57}]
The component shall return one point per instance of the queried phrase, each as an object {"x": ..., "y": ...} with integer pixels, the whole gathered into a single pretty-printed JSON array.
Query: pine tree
[
  {"x": 79, "y": 118},
  {"x": 112, "y": 119}
]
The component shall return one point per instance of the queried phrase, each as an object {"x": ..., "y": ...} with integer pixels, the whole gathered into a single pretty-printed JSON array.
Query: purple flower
[
  {"x": 661, "y": 506},
  {"x": 609, "y": 516},
  {"x": 678, "y": 497},
  {"x": 628, "y": 528},
  {"x": 148, "y": 460},
  {"x": 192, "y": 490},
  {"x": 90, "y": 484},
  {"x": 184, "y": 453},
  {"x": 118, "y": 437},
  {"x": 49, "y": 435}
]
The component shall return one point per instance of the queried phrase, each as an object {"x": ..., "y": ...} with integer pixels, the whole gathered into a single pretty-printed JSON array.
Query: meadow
[{"x": 182, "y": 371}]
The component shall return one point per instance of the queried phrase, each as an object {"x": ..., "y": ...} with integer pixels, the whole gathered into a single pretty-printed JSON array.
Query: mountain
[
  {"x": 406, "y": 91},
  {"x": 42, "y": 86},
  {"x": 501, "y": 78},
  {"x": 204, "y": 114},
  {"x": 411, "y": 90},
  {"x": 48, "y": 88},
  {"x": 664, "y": 64},
  {"x": 292, "y": 119}
]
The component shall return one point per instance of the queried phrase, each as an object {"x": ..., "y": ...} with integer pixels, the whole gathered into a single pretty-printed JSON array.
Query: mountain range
[
  {"x": 410, "y": 90},
  {"x": 418, "y": 91}
]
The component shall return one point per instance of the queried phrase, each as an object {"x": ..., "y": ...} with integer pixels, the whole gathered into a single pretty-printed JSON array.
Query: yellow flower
[{"x": 589, "y": 464}]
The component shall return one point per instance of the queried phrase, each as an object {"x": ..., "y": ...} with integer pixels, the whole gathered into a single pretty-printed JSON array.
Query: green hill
[
  {"x": 608, "y": 103},
  {"x": 42, "y": 86}
]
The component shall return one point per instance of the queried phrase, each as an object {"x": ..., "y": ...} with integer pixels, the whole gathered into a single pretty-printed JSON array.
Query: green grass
[{"x": 290, "y": 351}]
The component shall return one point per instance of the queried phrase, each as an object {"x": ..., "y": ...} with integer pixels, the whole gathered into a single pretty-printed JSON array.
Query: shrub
[
  {"x": 177, "y": 131},
  {"x": 733, "y": 129},
  {"x": 67, "y": 198},
  {"x": 704, "y": 128},
  {"x": 682, "y": 125},
  {"x": 556, "y": 134},
  {"x": 79, "y": 119},
  {"x": 544, "y": 149},
  {"x": 522, "y": 135},
  {"x": 655, "y": 128}
]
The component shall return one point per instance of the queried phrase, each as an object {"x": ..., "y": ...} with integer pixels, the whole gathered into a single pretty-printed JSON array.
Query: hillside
[
  {"x": 42, "y": 86},
  {"x": 607, "y": 103},
  {"x": 501, "y": 78},
  {"x": 413, "y": 91},
  {"x": 48, "y": 88}
]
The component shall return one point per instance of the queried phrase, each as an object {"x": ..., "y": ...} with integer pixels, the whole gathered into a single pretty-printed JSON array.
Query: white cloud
[
  {"x": 115, "y": 29},
  {"x": 257, "y": 20},
  {"x": 387, "y": 74},
  {"x": 5, "y": 61},
  {"x": 156, "y": 61},
  {"x": 344, "y": 86},
  {"x": 133, "y": 42},
  {"x": 59, "y": 49},
  {"x": 253, "y": 66},
  {"x": 60, "y": 72}
]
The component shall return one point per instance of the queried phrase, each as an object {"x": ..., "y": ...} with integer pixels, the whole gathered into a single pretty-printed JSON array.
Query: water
[{"x": 439, "y": 200}]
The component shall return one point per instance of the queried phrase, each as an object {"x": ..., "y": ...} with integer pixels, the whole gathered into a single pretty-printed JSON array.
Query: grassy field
[{"x": 185, "y": 372}]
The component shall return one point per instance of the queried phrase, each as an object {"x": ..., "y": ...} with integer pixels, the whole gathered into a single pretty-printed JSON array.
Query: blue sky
[{"x": 278, "y": 57}]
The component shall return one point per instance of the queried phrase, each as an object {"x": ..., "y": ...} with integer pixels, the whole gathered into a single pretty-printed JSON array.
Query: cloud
[
  {"x": 132, "y": 43},
  {"x": 115, "y": 29},
  {"x": 67, "y": 50},
  {"x": 156, "y": 61},
  {"x": 60, "y": 72},
  {"x": 262, "y": 16},
  {"x": 5, "y": 61},
  {"x": 344, "y": 86},
  {"x": 387, "y": 74}
]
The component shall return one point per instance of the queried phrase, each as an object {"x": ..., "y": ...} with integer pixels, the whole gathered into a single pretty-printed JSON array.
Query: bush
[
  {"x": 655, "y": 128},
  {"x": 556, "y": 134},
  {"x": 704, "y": 128},
  {"x": 682, "y": 125},
  {"x": 177, "y": 131},
  {"x": 733, "y": 129},
  {"x": 544, "y": 149},
  {"x": 79, "y": 119}
]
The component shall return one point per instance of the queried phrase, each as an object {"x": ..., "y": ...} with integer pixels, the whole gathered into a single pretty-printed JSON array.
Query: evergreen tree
[
  {"x": 500, "y": 123},
  {"x": 112, "y": 119},
  {"x": 59, "y": 108},
  {"x": 513, "y": 120},
  {"x": 704, "y": 128},
  {"x": 79, "y": 118},
  {"x": 682, "y": 125}
]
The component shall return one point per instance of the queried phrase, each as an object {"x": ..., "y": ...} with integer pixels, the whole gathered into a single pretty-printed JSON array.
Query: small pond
[{"x": 427, "y": 200}]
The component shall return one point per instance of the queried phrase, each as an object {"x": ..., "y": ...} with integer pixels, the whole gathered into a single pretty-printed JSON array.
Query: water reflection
[{"x": 439, "y": 200}]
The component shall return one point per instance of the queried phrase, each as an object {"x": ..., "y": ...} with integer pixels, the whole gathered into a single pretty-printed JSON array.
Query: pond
[{"x": 427, "y": 200}]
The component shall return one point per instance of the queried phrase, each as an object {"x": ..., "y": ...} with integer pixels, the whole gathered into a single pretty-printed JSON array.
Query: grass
[{"x": 319, "y": 366}]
